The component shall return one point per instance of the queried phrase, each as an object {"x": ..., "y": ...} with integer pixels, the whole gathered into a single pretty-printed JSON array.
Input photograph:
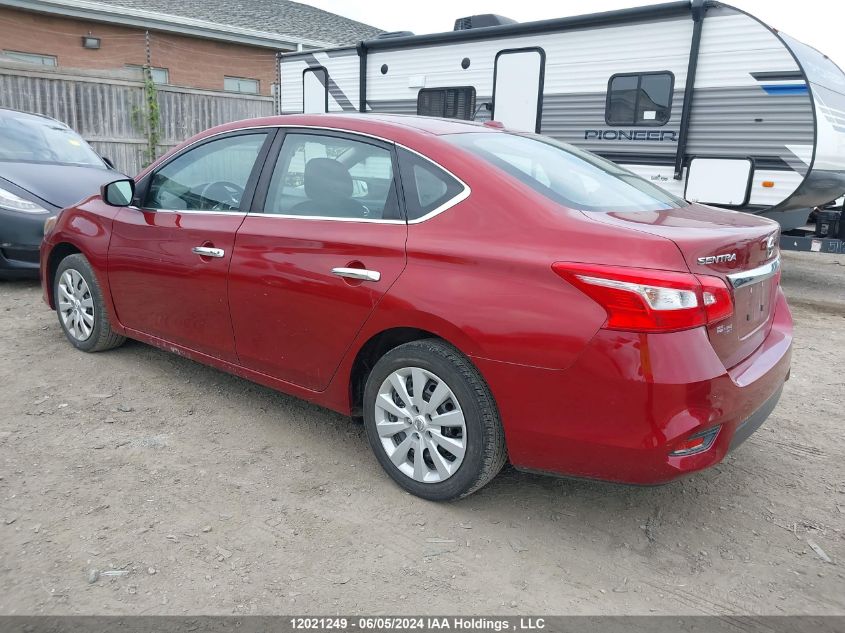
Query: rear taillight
[
  {"x": 645, "y": 300},
  {"x": 716, "y": 298}
]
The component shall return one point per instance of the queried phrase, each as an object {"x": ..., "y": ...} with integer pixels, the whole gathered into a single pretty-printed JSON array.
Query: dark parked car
[
  {"x": 474, "y": 294},
  {"x": 44, "y": 167}
]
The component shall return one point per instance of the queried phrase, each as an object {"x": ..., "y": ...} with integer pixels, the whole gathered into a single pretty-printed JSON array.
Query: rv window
[
  {"x": 451, "y": 103},
  {"x": 426, "y": 186},
  {"x": 639, "y": 99}
]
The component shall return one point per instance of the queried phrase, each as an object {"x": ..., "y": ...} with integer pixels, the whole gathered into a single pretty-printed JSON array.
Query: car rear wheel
[
  {"x": 432, "y": 422},
  {"x": 79, "y": 305}
]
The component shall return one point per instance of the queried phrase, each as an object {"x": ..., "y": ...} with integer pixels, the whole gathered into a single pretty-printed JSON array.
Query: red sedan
[{"x": 476, "y": 295}]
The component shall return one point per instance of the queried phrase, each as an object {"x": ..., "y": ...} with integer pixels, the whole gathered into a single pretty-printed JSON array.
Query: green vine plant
[{"x": 153, "y": 123}]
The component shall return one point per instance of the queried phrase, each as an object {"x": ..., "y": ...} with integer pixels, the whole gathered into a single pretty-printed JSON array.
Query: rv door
[
  {"x": 315, "y": 90},
  {"x": 518, "y": 88}
]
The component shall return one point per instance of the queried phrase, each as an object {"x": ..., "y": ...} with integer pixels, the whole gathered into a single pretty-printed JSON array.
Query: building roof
[{"x": 278, "y": 24}]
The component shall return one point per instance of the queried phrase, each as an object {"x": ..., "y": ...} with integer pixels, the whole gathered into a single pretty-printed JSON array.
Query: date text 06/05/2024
[{"x": 417, "y": 623}]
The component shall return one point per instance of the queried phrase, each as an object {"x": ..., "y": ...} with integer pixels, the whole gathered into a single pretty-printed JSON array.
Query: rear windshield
[
  {"x": 33, "y": 139},
  {"x": 570, "y": 176}
]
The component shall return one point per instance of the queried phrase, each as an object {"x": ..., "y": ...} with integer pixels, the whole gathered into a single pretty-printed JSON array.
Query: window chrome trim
[
  {"x": 761, "y": 273},
  {"x": 188, "y": 211},
  {"x": 326, "y": 218},
  {"x": 457, "y": 199}
]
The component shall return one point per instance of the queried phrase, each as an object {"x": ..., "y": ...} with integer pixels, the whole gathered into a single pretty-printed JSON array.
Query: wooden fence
[{"x": 109, "y": 110}]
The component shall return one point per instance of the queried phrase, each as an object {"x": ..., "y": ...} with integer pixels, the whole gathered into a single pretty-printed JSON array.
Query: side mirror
[
  {"x": 118, "y": 193},
  {"x": 108, "y": 162}
]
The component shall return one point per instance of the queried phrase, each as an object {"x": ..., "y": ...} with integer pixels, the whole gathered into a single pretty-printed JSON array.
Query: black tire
[
  {"x": 485, "y": 451},
  {"x": 102, "y": 337}
]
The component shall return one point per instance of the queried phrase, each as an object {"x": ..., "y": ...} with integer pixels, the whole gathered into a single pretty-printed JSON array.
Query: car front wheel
[
  {"x": 80, "y": 308},
  {"x": 432, "y": 422}
]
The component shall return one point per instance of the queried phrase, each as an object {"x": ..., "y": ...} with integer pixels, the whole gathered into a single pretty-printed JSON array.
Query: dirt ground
[{"x": 203, "y": 493}]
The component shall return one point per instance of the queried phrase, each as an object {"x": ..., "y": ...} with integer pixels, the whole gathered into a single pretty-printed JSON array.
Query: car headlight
[{"x": 10, "y": 201}]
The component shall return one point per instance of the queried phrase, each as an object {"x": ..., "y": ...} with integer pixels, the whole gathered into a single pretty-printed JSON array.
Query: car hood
[{"x": 58, "y": 185}]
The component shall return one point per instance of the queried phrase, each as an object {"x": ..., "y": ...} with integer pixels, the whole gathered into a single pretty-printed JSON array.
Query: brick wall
[{"x": 190, "y": 61}]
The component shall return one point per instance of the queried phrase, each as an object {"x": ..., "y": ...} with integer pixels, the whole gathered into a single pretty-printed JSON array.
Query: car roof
[
  {"x": 398, "y": 128},
  {"x": 391, "y": 126},
  {"x": 432, "y": 125}
]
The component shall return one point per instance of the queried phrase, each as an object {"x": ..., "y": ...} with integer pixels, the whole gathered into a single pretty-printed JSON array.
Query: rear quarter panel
[
  {"x": 479, "y": 275},
  {"x": 484, "y": 267}
]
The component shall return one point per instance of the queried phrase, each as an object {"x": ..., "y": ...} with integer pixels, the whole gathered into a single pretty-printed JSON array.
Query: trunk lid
[{"x": 724, "y": 244}]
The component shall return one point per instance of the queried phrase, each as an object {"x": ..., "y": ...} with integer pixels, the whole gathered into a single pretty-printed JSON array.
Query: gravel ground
[{"x": 139, "y": 482}]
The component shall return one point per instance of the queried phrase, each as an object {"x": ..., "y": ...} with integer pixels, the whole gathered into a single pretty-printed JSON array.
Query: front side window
[
  {"x": 639, "y": 99},
  {"x": 427, "y": 187},
  {"x": 211, "y": 177},
  {"x": 570, "y": 176},
  {"x": 450, "y": 103},
  {"x": 333, "y": 177}
]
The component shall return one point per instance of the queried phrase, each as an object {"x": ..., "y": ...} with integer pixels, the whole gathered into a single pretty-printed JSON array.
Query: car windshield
[
  {"x": 26, "y": 138},
  {"x": 569, "y": 176}
]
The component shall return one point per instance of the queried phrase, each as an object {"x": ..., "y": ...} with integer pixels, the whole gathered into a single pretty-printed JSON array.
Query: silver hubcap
[
  {"x": 421, "y": 425},
  {"x": 76, "y": 306}
]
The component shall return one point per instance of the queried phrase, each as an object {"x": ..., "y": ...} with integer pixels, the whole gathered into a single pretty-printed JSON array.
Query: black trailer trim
[
  {"x": 697, "y": 10},
  {"x": 604, "y": 18},
  {"x": 775, "y": 75},
  {"x": 812, "y": 244},
  {"x": 362, "y": 76},
  {"x": 636, "y": 158},
  {"x": 768, "y": 163}
]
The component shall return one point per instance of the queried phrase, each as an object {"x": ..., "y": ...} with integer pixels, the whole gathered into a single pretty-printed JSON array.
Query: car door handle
[
  {"x": 208, "y": 251},
  {"x": 357, "y": 273}
]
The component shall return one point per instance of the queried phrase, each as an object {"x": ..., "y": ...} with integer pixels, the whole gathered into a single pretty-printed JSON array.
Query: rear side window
[
  {"x": 427, "y": 187},
  {"x": 333, "y": 177},
  {"x": 570, "y": 176},
  {"x": 450, "y": 103},
  {"x": 639, "y": 99}
]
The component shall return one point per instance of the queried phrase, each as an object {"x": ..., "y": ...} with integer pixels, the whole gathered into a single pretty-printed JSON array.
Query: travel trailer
[{"x": 699, "y": 97}]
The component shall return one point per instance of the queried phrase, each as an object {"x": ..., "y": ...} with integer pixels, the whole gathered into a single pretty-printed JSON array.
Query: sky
[{"x": 815, "y": 22}]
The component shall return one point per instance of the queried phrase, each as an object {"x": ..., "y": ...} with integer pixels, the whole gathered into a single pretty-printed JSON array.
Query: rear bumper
[
  {"x": 631, "y": 399},
  {"x": 747, "y": 427},
  {"x": 20, "y": 239}
]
